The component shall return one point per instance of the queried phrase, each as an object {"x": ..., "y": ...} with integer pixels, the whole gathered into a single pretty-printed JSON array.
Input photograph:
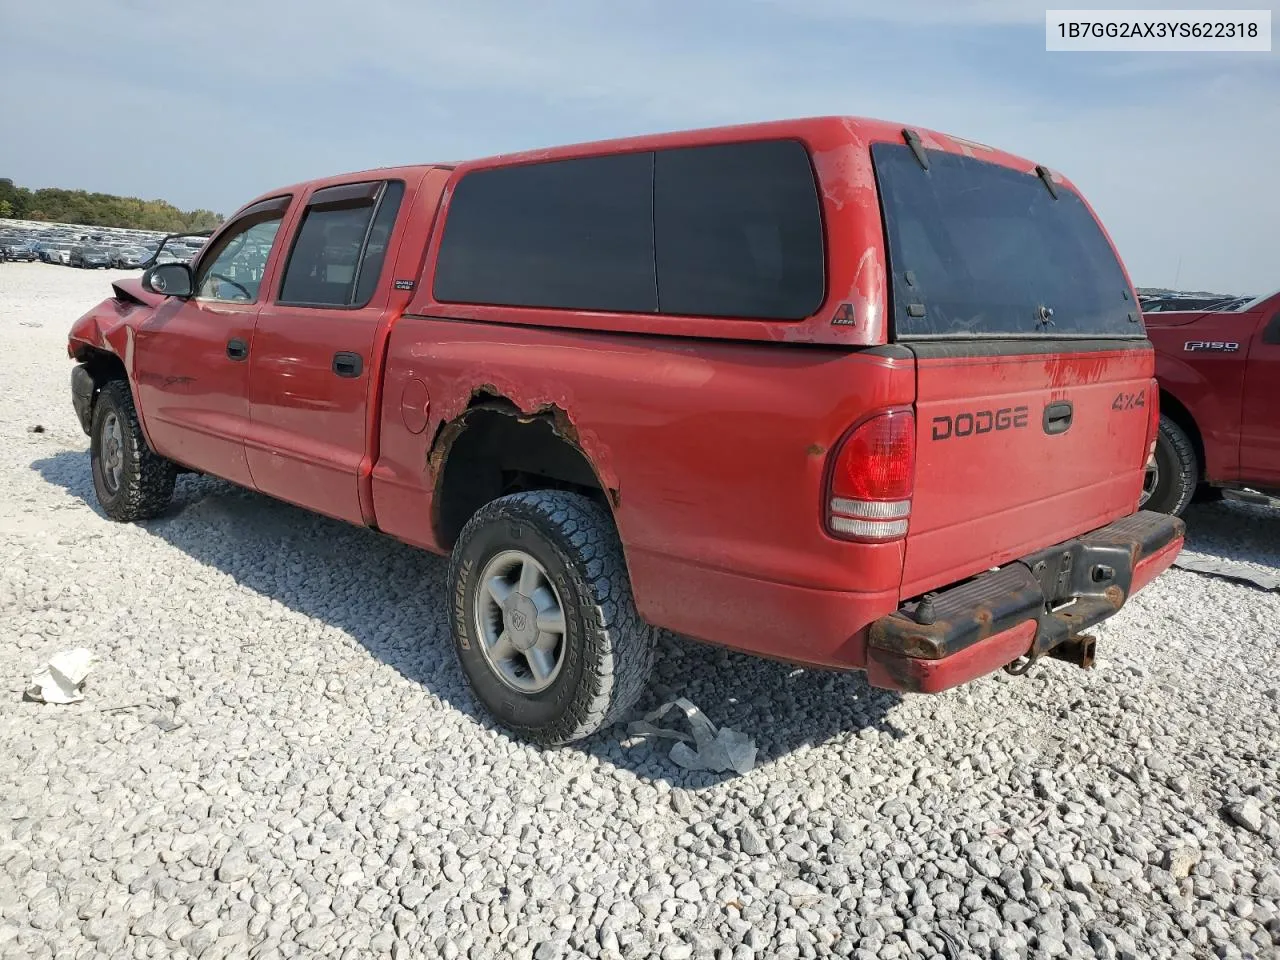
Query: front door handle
[
  {"x": 347, "y": 364},
  {"x": 237, "y": 349}
]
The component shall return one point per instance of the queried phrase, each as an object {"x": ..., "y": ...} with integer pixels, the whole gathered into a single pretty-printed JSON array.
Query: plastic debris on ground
[
  {"x": 707, "y": 747},
  {"x": 1227, "y": 570},
  {"x": 59, "y": 680}
]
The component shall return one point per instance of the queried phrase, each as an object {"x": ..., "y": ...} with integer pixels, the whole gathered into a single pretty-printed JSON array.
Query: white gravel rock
[
  {"x": 1179, "y": 861},
  {"x": 1247, "y": 813},
  {"x": 277, "y": 756}
]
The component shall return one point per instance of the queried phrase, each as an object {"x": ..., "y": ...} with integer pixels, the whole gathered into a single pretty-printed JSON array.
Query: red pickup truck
[
  {"x": 834, "y": 391},
  {"x": 1219, "y": 374}
]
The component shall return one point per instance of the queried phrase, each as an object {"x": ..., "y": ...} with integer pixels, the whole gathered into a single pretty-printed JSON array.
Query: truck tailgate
[{"x": 1019, "y": 448}]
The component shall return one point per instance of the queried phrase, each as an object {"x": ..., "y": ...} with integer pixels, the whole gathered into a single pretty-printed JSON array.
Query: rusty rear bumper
[{"x": 1039, "y": 605}]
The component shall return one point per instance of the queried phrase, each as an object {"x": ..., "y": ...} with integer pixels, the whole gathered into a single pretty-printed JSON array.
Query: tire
[
  {"x": 139, "y": 484},
  {"x": 603, "y": 656},
  {"x": 1177, "y": 470}
]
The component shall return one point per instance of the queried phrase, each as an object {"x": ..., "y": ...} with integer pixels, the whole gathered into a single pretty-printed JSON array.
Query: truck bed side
[{"x": 713, "y": 456}]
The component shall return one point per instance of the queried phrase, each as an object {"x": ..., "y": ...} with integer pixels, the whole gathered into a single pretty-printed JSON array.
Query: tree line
[{"x": 100, "y": 209}]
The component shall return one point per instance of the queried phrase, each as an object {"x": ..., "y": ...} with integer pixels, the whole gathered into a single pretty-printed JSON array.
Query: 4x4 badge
[{"x": 845, "y": 317}]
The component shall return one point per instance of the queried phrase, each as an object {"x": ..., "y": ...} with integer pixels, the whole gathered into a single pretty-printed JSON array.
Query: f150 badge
[{"x": 1217, "y": 346}]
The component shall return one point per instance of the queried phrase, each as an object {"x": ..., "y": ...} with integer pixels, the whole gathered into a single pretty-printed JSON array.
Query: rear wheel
[
  {"x": 1171, "y": 482},
  {"x": 131, "y": 481},
  {"x": 544, "y": 624}
]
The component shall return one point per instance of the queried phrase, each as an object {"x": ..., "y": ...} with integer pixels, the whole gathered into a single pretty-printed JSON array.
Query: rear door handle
[
  {"x": 237, "y": 349},
  {"x": 347, "y": 364},
  {"x": 1057, "y": 417}
]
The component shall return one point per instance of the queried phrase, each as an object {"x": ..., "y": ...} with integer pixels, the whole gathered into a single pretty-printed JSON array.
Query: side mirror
[{"x": 169, "y": 279}]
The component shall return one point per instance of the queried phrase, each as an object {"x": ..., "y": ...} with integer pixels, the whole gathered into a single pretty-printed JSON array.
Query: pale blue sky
[{"x": 209, "y": 104}]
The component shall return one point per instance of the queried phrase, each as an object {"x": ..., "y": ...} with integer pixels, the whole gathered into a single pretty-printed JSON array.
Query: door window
[
  {"x": 339, "y": 248},
  {"x": 231, "y": 270}
]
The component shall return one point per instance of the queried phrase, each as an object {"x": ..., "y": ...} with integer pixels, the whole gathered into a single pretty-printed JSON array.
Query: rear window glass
[
  {"x": 738, "y": 231},
  {"x": 574, "y": 234},
  {"x": 978, "y": 249}
]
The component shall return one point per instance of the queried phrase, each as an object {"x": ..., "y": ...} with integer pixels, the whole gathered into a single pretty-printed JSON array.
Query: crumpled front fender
[{"x": 108, "y": 327}]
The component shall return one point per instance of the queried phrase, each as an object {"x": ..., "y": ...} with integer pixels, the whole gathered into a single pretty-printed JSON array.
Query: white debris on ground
[
  {"x": 717, "y": 749},
  {"x": 59, "y": 680},
  {"x": 279, "y": 757},
  {"x": 1229, "y": 570}
]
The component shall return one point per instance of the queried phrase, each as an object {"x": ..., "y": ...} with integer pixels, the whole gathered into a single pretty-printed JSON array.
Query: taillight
[{"x": 873, "y": 477}]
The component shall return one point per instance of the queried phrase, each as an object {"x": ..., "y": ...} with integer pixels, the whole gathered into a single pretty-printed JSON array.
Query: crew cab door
[
  {"x": 1260, "y": 411},
  {"x": 313, "y": 370},
  {"x": 191, "y": 357}
]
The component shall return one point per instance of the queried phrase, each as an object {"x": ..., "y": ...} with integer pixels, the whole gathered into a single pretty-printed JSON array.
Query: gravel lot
[{"x": 276, "y": 756}]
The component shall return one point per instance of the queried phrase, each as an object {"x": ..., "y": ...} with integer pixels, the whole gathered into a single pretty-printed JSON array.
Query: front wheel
[
  {"x": 1171, "y": 482},
  {"x": 131, "y": 481},
  {"x": 544, "y": 624}
]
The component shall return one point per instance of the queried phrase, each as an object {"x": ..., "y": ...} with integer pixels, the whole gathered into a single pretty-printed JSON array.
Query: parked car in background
[
  {"x": 129, "y": 258},
  {"x": 735, "y": 383},
  {"x": 1176, "y": 303},
  {"x": 56, "y": 253},
  {"x": 90, "y": 257},
  {"x": 19, "y": 250},
  {"x": 1219, "y": 374},
  {"x": 178, "y": 247}
]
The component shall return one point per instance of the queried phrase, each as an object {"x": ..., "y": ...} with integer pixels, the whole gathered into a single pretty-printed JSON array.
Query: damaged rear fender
[{"x": 495, "y": 447}]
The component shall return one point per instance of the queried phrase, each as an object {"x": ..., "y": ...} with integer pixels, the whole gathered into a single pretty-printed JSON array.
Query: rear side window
[
  {"x": 732, "y": 230},
  {"x": 339, "y": 248},
  {"x": 977, "y": 249},
  {"x": 738, "y": 231},
  {"x": 574, "y": 234}
]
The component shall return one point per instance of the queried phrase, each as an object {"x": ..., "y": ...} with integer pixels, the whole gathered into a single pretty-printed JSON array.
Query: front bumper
[{"x": 1039, "y": 605}]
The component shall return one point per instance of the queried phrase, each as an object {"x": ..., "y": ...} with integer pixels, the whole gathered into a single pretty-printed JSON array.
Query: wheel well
[
  {"x": 493, "y": 450},
  {"x": 103, "y": 366},
  {"x": 1172, "y": 408}
]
